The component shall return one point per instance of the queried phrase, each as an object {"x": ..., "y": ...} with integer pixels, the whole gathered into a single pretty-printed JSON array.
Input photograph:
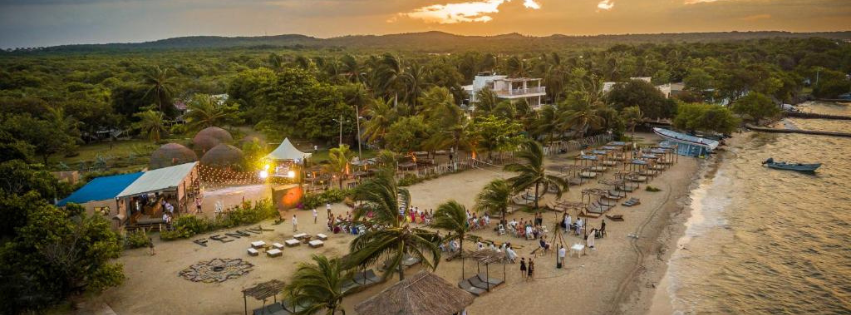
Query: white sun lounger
[
  {"x": 322, "y": 237},
  {"x": 300, "y": 236},
  {"x": 253, "y": 252},
  {"x": 316, "y": 243},
  {"x": 277, "y": 246},
  {"x": 292, "y": 242},
  {"x": 258, "y": 244},
  {"x": 274, "y": 252}
]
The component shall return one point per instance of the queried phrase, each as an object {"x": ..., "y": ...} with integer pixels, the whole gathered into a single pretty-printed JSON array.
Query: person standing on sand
[
  {"x": 151, "y": 246},
  {"x": 561, "y": 254},
  {"x": 531, "y": 269},
  {"x": 315, "y": 215},
  {"x": 523, "y": 267},
  {"x": 328, "y": 209},
  {"x": 295, "y": 223}
]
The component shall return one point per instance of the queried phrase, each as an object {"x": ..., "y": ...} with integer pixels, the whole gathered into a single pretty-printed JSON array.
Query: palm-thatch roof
[
  {"x": 171, "y": 154},
  {"x": 223, "y": 155},
  {"x": 210, "y": 137},
  {"x": 422, "y": 294}
]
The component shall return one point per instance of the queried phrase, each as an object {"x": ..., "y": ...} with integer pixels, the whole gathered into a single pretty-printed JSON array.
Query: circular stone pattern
[{"x": 216, "y": 270}]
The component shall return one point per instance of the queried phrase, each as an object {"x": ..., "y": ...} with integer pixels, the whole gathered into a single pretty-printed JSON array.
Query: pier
[{"x": 807, "y": 132}]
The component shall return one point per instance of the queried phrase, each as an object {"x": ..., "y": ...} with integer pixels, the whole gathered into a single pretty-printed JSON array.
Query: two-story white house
[{"x": 505, "y": 88}]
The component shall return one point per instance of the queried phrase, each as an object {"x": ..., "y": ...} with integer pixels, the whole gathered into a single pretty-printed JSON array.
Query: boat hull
[{"x": 806, "y": 168}]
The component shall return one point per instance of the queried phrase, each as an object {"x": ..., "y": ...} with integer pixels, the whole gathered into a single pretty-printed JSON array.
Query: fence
[{"x": 572, "y": 145}]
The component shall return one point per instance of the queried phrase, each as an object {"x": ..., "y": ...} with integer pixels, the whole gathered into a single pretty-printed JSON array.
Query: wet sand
[{"x": 597, "y": 283}]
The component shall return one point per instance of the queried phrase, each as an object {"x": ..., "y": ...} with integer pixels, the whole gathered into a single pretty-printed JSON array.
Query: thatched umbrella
[
  {"x": 210, "y": 137},
  {"x": 421, "y": 294},
  {"x": 171, "y": 154},
  {"x": 263, "y": 292},
  {"x": 223, "y": 155}
]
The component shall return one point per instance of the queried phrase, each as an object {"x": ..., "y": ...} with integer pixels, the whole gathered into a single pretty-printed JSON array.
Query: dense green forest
[{"x": 57, "y": 102}]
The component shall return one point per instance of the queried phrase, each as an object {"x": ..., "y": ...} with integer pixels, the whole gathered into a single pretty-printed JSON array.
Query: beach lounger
[
  {"x": 632, "y": 202},
  {"x": 638, "y": 179},
  {"x": 409, "y": 262},
  {"x": 258, "y": 244},
  {"x": 575, "y": 181},
  {"x": 616, "y": 217},
  {"x": 322, "y": 237},
  {"x": 300, "y": 236},
  {"x": 371, "y": 276},
  {"x": 493, "y": 282},
  {"x": 292, "y": 242},
  {"x": 271, "y": 309},
  {"x": 349, "y": 286},
  {"x": 274, "y": 253},
  {"x": 588, "y": 175},
  {"x": 316, "y": 243},
  {"x": 277, "y": 246},
  {"x": 476, "y": 282},
  {"x": 466, "y": 286},
  {"x": 253, "y": 252}
]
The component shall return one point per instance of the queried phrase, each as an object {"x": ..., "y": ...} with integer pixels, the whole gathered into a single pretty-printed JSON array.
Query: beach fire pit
[{"x": 216, "y": 270}]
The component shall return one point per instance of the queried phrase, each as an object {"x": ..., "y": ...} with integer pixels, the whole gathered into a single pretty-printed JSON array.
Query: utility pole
[
  {"x": 341, "y": 130},
  {"x": 357, "y": 122}
]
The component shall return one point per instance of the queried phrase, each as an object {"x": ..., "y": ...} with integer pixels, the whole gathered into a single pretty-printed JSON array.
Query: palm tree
[
  {"x": 160, "y": 82},
  {"x": 532, "y": 173},
  {"x": 318, "y": 286},
  {"x": 380, "y": 198},
  {"x": 381, "y": 116},
  {"x": 351, "y": 69},
  {"x": 415, "y": 83},
  {"x": 633, "y": 116},
  {"x": 205, "y": 111},
  {"x": 582, "y": 114},
  {"x": 452, "y": 216},
  {"x": 495, "y": 197},
  {"x": 338, "y": 159},
  {"x": 486, "y": 101},
  {"x": 151, "y": 124}
]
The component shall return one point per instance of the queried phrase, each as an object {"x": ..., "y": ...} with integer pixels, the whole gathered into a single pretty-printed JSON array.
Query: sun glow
[
  {"x": 452, "y": 13},
  {"x": 606, "y": 5}
]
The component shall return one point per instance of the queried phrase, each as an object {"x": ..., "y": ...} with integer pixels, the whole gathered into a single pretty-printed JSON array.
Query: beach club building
[
  {"x": 100, "y": 196},
  {"x": 505, "y": 88},
  {"x": 687, "y": 145}
]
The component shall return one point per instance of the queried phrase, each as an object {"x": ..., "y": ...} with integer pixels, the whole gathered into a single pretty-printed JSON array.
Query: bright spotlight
[
  {"x": 291, "y": 174},
  {"x": 264, "y": 174}
]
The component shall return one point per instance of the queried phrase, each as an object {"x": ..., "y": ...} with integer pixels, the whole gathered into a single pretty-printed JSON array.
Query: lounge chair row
[
  {"x": 361, "y": 280},
  {"x": 479, "y": 284}
]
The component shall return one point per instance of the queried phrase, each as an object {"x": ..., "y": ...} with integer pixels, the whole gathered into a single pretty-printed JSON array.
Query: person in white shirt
[
  {"x": 562, "y": 252},
  {"x": 328, "y": 209},
  {"x": 567, "y": 222},
  {"x": 579, "y": 224},
  {"x": 511, "y": 254},
  {"x": 487, "y": 219},
  {"x": 589, "y": 242},
  {"x": 295, "y": 223},
  {"x": 315, "y": 215}
]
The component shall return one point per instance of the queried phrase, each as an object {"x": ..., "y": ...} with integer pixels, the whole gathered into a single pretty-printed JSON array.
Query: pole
[
  {"x": 357, "y": 120},
  {"x": 341, "y": 130}
]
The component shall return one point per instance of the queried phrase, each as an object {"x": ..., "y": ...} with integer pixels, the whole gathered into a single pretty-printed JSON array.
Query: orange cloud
[
  {"x": 464, "y": 12},
  {"x": 606, "y": 5},
  {"x": 756, "y": 17}
]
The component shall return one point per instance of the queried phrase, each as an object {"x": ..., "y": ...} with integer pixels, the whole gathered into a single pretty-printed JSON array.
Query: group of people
[
  {"x": 568, "y": 225},
  {"x": 476, "y": 222},
  {"x": 528, "y": 229},
  {"x": 416, "y": 216}
]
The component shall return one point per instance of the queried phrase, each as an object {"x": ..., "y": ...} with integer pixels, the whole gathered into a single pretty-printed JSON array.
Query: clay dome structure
[
  {"x": 210, "y": 137},
  {"x": 223, "y": 155},
  {"x": 171, "y": 154}
]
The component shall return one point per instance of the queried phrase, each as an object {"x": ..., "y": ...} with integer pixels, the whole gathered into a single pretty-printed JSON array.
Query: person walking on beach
[
  {"x": 315, "y": 215},
  {"x": 328, "y": 209},
  {"x": 561, "y": 254},
  {"x": 531, "y": 269},
  {"x": 295, "y": 223},
  {"x": 523, "y": 267},
  {"x": 151, "y": 246}
]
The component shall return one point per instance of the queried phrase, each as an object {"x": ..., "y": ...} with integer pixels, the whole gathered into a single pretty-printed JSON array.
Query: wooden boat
[{"x": 799, "y": 167}]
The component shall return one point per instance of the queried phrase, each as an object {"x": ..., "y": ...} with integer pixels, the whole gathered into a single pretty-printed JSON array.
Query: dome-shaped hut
[
  {"x": 171, "y": 154},
  {"x": 223, "y": 155},
  {"x": 210, "y": 137}
]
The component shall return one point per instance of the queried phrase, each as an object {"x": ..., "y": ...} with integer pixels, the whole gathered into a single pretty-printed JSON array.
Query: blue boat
[{"x": 798, "y": 167}]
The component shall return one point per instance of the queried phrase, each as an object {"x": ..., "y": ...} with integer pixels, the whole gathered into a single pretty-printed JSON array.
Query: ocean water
[{"x": 764, "y": 241}]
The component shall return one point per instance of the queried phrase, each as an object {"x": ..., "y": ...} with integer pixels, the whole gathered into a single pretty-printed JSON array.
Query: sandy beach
[{"x": 618, "y": 276}]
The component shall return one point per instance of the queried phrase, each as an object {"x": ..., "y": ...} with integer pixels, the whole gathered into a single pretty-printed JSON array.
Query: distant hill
[{"x": 430, "y": 41}]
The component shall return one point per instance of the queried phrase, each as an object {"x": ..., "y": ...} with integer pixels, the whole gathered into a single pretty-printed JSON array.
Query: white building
[{"x": 506, "y": 88}]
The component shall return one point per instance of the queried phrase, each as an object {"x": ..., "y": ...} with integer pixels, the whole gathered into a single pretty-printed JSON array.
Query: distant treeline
[{"x": 429, "y": 42}]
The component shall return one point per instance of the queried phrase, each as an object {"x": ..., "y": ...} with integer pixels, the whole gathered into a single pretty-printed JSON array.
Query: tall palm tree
[
  {"x": 495, "y": 197},
  {"x": 151, "y": 124},
  {"x": 338, "y": 159},
  {"x": 318, "y": 286},
  {"x": 632, "y": 116},
  {"x": 486, "y": 101},
  {"x": 205, "y": 111},
  {"x": 381, "y": 116},
  {"x": 532, "y": 173},
  {"x": 160, "y": 82},
  {"x": 379, "y": 200},
  {"x": 352, "y": 69},
  {"x": 415, "y": 83},
  {"x": 582, "y": 114},
  {"x": 452, "y": 216}
]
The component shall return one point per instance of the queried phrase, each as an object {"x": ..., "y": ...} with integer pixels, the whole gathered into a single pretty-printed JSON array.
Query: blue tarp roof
[{"x": 101, "y": 188}]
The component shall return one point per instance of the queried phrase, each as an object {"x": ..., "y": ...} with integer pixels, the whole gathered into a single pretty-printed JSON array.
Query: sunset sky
[{"x": 27, "y": 23}]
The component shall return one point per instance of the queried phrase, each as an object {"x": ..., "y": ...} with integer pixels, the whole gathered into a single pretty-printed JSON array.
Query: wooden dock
[{"x": 807, "y": 132}]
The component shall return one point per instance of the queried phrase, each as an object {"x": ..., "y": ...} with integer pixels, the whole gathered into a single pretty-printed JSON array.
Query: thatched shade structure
[
  {"x": 210, "y": 137},
  {"x": 223, "y": 155},
  {"x": 422, "y": 294},
  {"x": 171, "y": 154}
]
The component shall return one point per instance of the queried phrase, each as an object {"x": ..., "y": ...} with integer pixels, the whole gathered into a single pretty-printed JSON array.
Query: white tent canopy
[
  {"x": 287, "y": 151},
  {"x": 159, "y": 179}
]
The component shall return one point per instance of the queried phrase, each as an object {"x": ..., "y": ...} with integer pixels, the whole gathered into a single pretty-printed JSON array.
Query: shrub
[
  {"x": 313, "y": 201},
  {"x": 136, "y": 239},
  {"x": 247, "y": 213},
  {"x": 409, "y": 180},
  {"x": 652, "y": 189}
]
